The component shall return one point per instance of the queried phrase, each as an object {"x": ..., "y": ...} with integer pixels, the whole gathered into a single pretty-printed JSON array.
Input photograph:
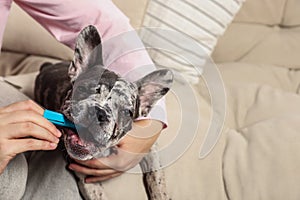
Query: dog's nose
[{"x": 101, "y": 115}]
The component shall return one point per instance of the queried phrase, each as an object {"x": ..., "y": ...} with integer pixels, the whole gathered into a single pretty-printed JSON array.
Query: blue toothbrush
[{"x": 58, "y": 119}]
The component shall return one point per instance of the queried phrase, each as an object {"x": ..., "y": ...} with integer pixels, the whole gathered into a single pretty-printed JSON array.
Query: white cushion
[{"x": 203, "y": 21}]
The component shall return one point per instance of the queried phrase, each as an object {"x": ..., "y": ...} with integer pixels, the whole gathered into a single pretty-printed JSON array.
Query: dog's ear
[
  {"x": 88, "y": 52},
  {"x": 151, "y": 88}
]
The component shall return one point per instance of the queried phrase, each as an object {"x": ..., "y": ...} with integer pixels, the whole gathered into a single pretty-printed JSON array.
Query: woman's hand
[
  {"x": 130, "y": 151},
  {"x": 23, "y": 128}
]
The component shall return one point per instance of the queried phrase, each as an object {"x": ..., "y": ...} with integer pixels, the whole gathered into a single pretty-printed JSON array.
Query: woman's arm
[
  {"x": 64, "y": 19},
  {"x": 131, "y": 150},
  {"x": 23, "y": 128}
]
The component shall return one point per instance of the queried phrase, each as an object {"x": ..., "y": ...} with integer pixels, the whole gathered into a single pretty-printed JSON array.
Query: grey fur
[{"x": 103, "y": 105}]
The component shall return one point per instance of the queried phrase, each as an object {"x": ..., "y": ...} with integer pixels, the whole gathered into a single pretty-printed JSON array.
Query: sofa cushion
[
  {"x": 134, "y": 9},
  {"x": 249, "y": 85},
  {"x": 265, "y": 32},
  {"x": 182, "y": 25},
  {"x": 261, "y": 155},
  {"x": 262, "y": 161},
  {"x": 12, "y": 63}
]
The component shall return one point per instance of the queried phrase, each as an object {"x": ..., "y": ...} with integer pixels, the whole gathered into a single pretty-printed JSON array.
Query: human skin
[
  {"x": 23, "y": 128},
  {"x": 131, "y": 149}
]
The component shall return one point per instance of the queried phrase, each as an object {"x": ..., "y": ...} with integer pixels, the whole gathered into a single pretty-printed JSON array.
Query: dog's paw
[{"x": 92, "y": 191}]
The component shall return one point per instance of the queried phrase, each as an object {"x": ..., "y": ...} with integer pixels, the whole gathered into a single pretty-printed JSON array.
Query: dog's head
[{"x": 102, "y": 104}]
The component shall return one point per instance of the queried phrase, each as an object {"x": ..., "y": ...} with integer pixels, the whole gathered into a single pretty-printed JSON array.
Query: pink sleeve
[
  {"x": 64, "y": 19},
  {"x": 4, "y": 10}
]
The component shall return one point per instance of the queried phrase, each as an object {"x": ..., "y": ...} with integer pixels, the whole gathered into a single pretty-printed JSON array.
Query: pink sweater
[{"x": 64, "y": 19}]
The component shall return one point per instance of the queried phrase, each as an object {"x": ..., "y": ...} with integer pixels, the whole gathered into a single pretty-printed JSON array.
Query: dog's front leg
[
  {"x": 153, "y": 176},
  {"x": 90, "y": 191}
]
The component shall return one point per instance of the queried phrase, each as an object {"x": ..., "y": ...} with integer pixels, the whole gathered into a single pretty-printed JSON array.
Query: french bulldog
[{"x": 103, "y": 106}]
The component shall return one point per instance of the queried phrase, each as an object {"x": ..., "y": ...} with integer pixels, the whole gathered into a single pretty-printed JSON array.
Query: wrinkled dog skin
[{"x": 102, "y": 104}]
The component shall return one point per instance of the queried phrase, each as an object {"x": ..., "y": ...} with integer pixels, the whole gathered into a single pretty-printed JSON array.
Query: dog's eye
[{"x": 101, "y": 115}]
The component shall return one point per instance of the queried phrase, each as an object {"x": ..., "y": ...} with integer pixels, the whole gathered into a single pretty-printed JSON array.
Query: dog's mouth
[
  {"x": 78, "y": 147},
  {"x": 81, "y": 145}
]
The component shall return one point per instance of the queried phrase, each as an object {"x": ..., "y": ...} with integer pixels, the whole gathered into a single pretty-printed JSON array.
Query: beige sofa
[{"x": 257, "y": 155}]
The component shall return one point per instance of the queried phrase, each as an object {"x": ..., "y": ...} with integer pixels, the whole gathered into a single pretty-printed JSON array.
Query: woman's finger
[
  {"x": 91, "y": 171},
  {"x": 102, "y": 178},
  {"x": 94, "y": 163},
  {"x": 17, "y": 146},
  {"x": 119, "y": 162},
  {"x": 28, "y": 116},
  {"x": 23, "y": 105},
  {"x": 27, "y": 129}
]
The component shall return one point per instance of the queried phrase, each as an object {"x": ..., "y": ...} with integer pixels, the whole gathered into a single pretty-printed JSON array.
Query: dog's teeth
[
  {"x": 73, "y": 137},
  {"x": 80, "y": 142}
]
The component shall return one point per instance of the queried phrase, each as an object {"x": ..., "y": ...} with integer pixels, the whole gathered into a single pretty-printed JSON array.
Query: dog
[{"x": 103, "y": 105}]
